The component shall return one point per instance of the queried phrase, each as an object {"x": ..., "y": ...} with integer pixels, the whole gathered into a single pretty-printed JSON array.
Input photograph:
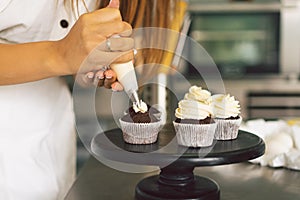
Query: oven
[{"x": 247, "y": 38}]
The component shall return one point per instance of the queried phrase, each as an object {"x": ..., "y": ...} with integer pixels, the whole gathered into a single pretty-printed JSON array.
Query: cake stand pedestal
[{"x": 176, "y": 179}]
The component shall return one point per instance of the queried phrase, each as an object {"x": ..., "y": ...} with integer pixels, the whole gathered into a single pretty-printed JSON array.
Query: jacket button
[{"x": 64, "y": 23}]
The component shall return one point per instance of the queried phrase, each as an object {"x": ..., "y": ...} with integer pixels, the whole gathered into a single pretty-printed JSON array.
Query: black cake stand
[{"x": 176, "y": 179}]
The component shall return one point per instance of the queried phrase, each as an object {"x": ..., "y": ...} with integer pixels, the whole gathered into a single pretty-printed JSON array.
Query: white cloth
[
  {"x": 282, "y": 142},
  {"x": 37, "y": 130}
]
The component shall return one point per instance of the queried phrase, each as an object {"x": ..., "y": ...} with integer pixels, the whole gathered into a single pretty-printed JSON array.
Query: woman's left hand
[{"x": 101, "y": 78}]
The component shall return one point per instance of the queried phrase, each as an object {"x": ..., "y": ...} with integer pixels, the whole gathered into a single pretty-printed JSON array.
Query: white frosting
[
  {"x": 225, "y": 106},
  {"x": 189, "y": 109},
  {"x": 195, "y": 105},
  {"x": 142, "y": 107},
  {"x": 198, "y": 94}
]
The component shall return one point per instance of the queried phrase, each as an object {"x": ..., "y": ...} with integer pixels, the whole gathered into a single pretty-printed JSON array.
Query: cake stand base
[
  {"x": 176, "y": 180},
  {"x": 175, "y": 184},
  {"x": 201, "y": 189}
]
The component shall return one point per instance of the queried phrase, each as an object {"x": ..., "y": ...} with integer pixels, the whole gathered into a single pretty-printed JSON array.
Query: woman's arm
[
  {"x": 27, "y": 62},
  {"x": 21, "y": 63}
]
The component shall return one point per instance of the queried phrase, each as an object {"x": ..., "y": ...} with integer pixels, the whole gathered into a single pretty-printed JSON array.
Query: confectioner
[{"x": 150, "y": 100}]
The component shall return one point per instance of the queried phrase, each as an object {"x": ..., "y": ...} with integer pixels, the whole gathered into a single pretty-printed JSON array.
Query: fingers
[
  {"x": 105, "y": 78},
  {"x": 110, "y": 78},
  {"x": 121, "y": 44},
  {"x": 116, "y": 86},
  {"x": 101, "y": 58},
  {"x": 114, "y": 4},
  {"x": 126, "y": 31},
  {"x": 101, "y": 53},
  {"x": 117, "y": 44},
  {"x": 85, "y": 80},
  {"x": 125, "y": 57},
  {"x": 99, "y": 81},
  {"x": 105, "y": 15},
  {"x": 100, "y": 78},
  {"x": 108, "y": 29},
  {"x": 88, "y": 41}
]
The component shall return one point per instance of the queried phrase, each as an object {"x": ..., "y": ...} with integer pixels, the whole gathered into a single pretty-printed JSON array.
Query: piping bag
[
  {"x": 127, "y": 77},
  {"x": 125, "y": 71}
]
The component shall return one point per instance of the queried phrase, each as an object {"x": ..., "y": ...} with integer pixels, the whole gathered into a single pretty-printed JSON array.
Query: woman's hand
[
  {"x": 100, "y": 78},
  {"x": 106, "y": 78},
  {"x": 85, "y": 48}
]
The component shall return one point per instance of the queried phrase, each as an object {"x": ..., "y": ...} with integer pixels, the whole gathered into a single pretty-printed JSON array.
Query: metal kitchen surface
[{"x": 236, "y": 181}]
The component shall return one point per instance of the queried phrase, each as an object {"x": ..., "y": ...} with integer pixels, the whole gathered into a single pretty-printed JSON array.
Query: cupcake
[
  {"x": 139, "y": 125},
  {"x": 227, "y": 115},
  {"x": 194, "y": 125}
]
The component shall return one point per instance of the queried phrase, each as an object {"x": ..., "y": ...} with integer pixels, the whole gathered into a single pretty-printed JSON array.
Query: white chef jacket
[{"x": 37, "y": 134}]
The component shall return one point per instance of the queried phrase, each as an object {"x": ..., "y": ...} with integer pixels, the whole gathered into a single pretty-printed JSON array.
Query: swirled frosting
[
  {"x": 141, "y": 107},
  {"x": 198, "y": 94},
  {"x": 195, "y": 105},
  {"x": 189, "y": 109},
  {"x": 225, "y": 106}
]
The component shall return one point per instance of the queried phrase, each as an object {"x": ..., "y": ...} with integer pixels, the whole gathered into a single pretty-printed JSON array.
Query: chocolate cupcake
[
  {"x": 193, "y": 124},
  {"x": 227, "y": 115},
  {"x": 152, "y": 112},
  {"x": 139, "y": 125}
]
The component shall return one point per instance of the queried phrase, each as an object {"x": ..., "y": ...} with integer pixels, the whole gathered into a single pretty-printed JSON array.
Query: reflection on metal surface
[
  {"x": 242, "y": 181},
  {"x": 255, "y": 182}
]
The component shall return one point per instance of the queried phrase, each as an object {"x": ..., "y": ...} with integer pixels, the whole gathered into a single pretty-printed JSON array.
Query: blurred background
[{"x": 256, "y": 47}]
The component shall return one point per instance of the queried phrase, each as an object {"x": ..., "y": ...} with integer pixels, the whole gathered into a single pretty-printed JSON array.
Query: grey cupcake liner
[
  {"x": 195, "y": 135},
  {"x": 227, "y": 129},
  {"x": 140, "y": 133}
]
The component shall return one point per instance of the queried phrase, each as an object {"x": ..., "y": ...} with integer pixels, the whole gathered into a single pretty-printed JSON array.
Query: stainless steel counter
[{"x": 241, "y": 181}]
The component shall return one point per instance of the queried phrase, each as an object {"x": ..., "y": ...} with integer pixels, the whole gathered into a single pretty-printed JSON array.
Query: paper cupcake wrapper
[
  {"x": 195, "y": 135},
  {"x": 140, "y": 133},
  {"x": 227, "y": 129}
]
